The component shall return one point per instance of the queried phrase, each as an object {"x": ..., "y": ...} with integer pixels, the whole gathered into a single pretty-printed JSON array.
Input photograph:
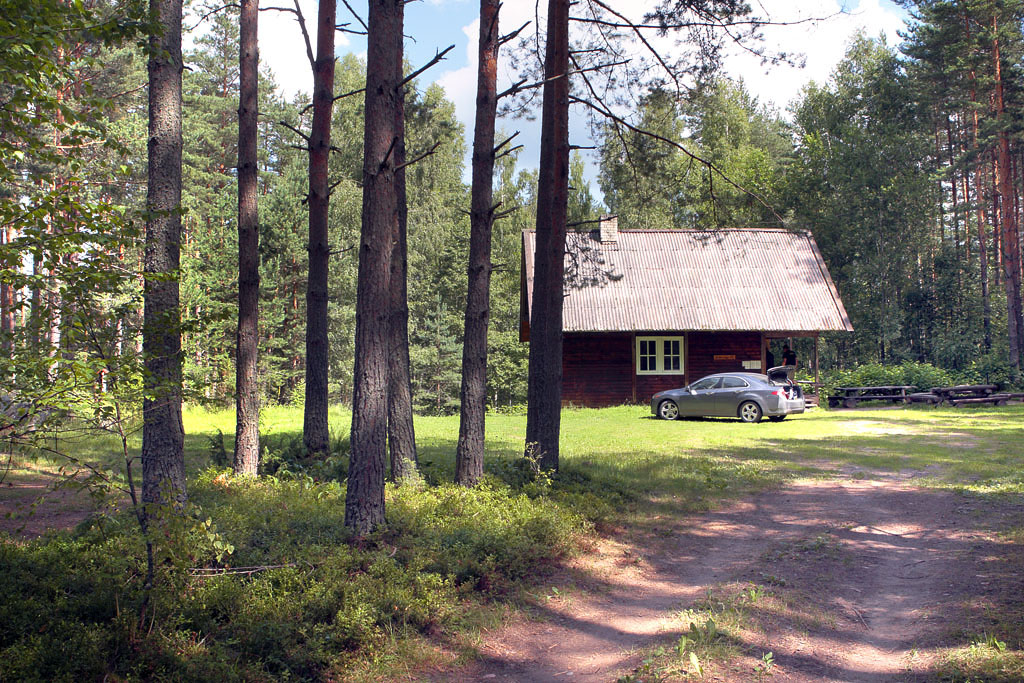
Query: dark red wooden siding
[
  {"x": 599, "y": 370},
  {"x": 704, "y": 346},
  {"x": 649, "y": 385}
]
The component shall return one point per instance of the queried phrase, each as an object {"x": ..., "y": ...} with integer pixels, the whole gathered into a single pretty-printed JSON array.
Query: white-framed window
[{"x": 659, "y": 355}]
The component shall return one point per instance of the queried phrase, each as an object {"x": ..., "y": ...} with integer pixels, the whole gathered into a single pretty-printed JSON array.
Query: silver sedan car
[{"x": 746, "y": 395}]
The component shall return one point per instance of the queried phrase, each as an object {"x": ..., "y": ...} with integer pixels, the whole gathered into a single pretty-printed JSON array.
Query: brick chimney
[{"x": 609, "y": 229}]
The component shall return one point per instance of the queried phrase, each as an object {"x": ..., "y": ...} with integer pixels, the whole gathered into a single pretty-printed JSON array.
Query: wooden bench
[
  {"x": 1000, "y": 399},
  {"x": 967, "y": 394},
  {"x": 849, "y": 397}
]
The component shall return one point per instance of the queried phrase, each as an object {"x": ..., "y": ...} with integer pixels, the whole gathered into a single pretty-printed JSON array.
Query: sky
[{"x": 432, "y": 25}]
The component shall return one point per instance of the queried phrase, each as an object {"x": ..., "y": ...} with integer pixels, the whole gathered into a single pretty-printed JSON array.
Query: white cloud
[
  {"x": 460, "y": 84},
  {"x": 283, "y": 49},
  {"x": 823, "y": 43}
]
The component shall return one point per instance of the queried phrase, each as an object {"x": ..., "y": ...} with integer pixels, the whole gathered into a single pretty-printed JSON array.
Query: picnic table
[
  {"x": 966, "y": 394},
  {"x": 849, "y": 397}
]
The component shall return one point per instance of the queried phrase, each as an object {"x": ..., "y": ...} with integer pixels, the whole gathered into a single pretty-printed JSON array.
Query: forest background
[
  {"x": 894, "y": 164},
  {"x": 906, "y": 164}
]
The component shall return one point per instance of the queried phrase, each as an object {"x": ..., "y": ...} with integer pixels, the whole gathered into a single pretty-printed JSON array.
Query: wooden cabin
[{"x": 648, "y": 310}]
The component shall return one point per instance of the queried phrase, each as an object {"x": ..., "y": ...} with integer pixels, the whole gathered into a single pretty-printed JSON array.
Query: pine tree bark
[
  {"x": 163, "y": 463},
  {"x": 247, "y": 400},
  {"x": 6, "y": 306},
  {"x": 1008, "y": 215},
  {"x": 315, "y": 433},
  {"x": 364, "y": 500},
  {"x": 544, "y": 390},
  {"x": 469, "y": 455},
  {"x": 979, "y": 165},
  {"x": 401, "y": 433}
]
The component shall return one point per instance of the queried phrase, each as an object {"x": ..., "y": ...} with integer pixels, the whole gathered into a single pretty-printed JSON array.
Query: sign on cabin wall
[{"x": 725, "y": 356}]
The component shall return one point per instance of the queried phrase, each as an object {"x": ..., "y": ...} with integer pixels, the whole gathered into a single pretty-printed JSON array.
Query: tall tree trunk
[
  {"x": 979, "y": 184},
  {"x": 954, "y": 195},
  {"x": 163, "y": 463},
  {"x": 6, "y": 306},
  {"x": 247, "y": 399},
  {"x": 997, "y": 222},
  {"x": 315, "y": 435},
  {"x": 364, "y": 500},
  {"x": 986, "y": 298},
  {"x": 469, "y": 456},
  {"x": 401, "y": 434},
  {"x": 1011, "y": 238},
  {"x": 544, "y": 390}
]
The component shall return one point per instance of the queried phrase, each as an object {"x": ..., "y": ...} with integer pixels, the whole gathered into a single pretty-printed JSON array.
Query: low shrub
[
  {"x": 923, "y": 376},
  {"x": 296, "y": 599}
]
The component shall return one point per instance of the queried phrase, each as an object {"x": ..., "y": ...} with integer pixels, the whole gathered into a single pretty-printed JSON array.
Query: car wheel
[
  {"x": 668, "y": 410},
  {"x": 750, "y": 412},
  {"x": 776, "y": 418}
]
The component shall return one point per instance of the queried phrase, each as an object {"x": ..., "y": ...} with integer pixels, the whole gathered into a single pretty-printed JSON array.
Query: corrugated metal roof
[{"x": 656, "y": 280}]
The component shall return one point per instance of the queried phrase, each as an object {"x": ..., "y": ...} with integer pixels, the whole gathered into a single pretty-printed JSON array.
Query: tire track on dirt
[{"x": 891, "y": 562}]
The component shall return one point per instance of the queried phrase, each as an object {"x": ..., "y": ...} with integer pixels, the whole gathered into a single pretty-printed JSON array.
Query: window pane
[
  {"x": 672, "y": 356},
  {"x": 648, "y": 356}
]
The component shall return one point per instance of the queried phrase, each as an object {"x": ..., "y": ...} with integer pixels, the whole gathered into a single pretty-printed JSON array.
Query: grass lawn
[
  {"x": 699, "y": 460},
  {"x": 449, "y": 558}
]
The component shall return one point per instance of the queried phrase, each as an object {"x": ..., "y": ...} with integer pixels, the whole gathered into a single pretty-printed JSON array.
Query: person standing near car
[
  {"x": 769, "y": 357},
  {"x": 788, "y": 356}
]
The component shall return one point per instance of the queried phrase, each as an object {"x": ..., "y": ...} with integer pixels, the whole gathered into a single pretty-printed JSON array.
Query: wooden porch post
[
  {"x": 816, "y": 380},
  {"x": 632, "y": 369}
]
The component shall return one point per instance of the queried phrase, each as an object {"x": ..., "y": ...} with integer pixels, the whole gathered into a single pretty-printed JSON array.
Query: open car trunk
[{"x": 783, "y": 376}]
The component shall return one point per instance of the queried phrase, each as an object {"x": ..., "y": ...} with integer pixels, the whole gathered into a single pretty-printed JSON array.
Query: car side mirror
[{"x": 691, "y": 390}]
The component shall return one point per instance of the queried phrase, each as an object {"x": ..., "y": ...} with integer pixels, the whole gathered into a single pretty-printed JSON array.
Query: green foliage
[
  {"x": 651, "y": 183},
  {"x": 70, "y": 603},
  {"x": 65, "y": 608},
  {"x": 920, "y": 375},
  {"x": 280, "y": 592}
]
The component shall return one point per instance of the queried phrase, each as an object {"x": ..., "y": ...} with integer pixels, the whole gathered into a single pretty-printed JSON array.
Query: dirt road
[{"x": 841, "y": 580}]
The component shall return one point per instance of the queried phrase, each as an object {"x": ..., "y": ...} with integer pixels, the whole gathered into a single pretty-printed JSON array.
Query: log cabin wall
[
  {"x": 710, "y": 352},
  {"x": 599, "y": 369}
]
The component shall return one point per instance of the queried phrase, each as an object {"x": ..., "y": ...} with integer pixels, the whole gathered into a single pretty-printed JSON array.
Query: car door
[
  {"x": 727, "y": 396},
  {"x": 699, "y": 400}
]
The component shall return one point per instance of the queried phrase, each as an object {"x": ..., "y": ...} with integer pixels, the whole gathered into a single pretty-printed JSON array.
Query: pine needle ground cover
[{"x": 261, "y": 581}]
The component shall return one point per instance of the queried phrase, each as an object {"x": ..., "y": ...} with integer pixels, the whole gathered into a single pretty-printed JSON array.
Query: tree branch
[
  {"x": 294, "y": 130},
  {"x": 504, "y": 142},
  {"x": 507, "y": 152},
  {"x": 305, "y": 36},
  {"x": 358, "y": 18},
  {"x": 420, "y": 157},
  {"x": 519, "y": 87},
  {"x": 512, "y": 36},
  {"x": 333, "y": 99},
  {"x": 215, "y": 10},
  {"x": 387, "y": 155},
  {"x": 437, "y": 58},
  {"x": 506, "y": 213},
  {"x": 619, "y": 121},
  {"x": 643, "y": 39},
  {"x": 342, "y": 29}
]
